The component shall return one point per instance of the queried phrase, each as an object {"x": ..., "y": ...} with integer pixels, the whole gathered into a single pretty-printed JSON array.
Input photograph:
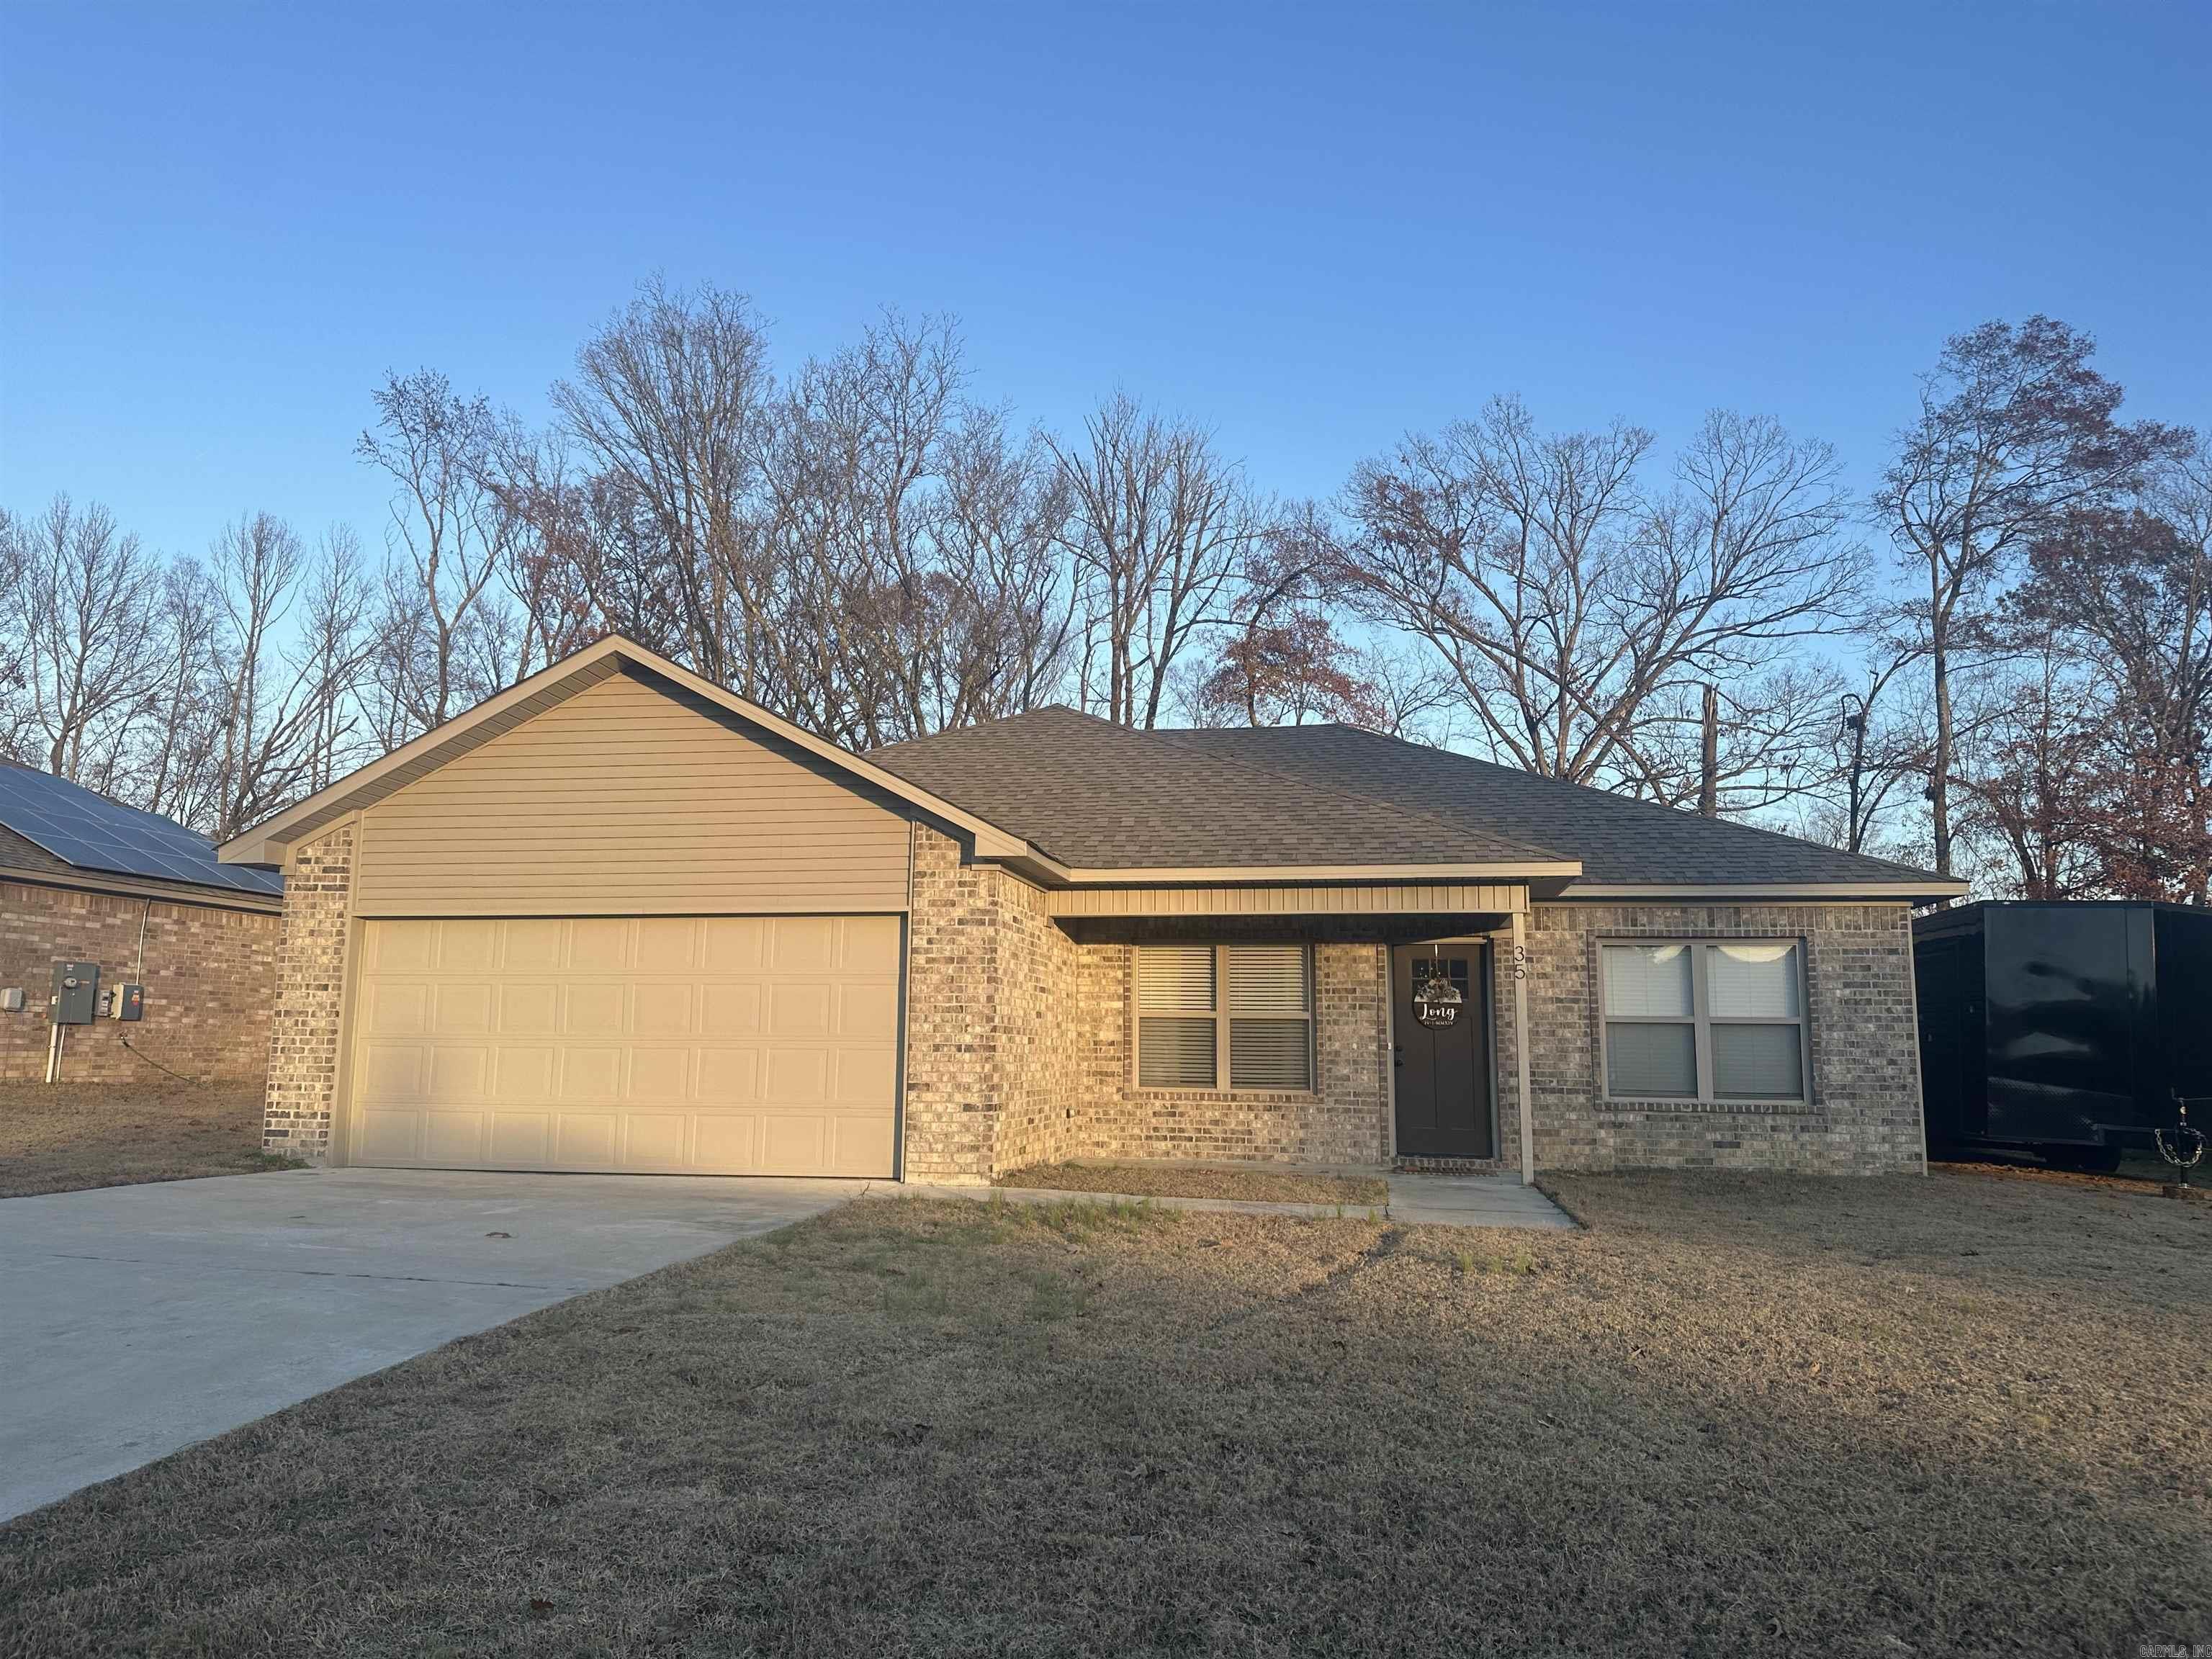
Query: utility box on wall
[{"x": 76, "y": 992}]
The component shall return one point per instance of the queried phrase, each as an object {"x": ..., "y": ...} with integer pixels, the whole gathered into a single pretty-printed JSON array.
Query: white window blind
[
  {"x": 1704, "y": 1020},
  {"x": 1175, "y": 978},
  {"x": 1651, "y": 980},
  {"x": 1268, "y": 979},
  {"x": 1270, "y": 1033},
  {"x": 1206, "y": 1009}
]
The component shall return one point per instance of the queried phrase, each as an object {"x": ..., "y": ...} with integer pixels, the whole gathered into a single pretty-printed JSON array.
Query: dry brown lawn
[
  {"x": 1252, "y": 1186},
  {"x": 58, "y": 1138},
  {"x": 1736, "y": 1416}
]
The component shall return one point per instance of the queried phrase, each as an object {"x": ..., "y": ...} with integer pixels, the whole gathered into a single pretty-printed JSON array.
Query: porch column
[{"x": 1521, "y": 1044}]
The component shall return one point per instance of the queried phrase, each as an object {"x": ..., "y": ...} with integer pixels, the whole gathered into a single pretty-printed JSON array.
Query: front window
[
  {"x": 1215, "y": 1016},
  {"x": 1704, "y": 1020}
]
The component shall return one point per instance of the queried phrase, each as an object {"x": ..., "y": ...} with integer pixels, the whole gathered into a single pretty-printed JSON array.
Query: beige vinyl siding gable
[{"x": 623, "y": 800}]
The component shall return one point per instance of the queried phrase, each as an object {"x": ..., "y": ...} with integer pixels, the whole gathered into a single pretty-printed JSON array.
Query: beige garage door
[{"x": 724, "y": 1045}]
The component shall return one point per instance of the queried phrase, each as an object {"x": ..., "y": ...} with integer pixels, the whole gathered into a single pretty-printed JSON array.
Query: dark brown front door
[{"x": 1442, "y": 1072}]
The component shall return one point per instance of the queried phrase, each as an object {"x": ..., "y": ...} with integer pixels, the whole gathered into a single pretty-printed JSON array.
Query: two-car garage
[
  {"x": 702, "y": 1045},
  {"x": 614, "y": 920}
]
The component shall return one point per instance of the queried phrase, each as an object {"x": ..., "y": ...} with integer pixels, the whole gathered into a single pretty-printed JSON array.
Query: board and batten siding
[{"x": 626, "y": 801}]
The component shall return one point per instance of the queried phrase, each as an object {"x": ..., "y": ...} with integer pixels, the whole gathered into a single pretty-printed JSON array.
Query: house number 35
[{"x": 1520, "y": 962}]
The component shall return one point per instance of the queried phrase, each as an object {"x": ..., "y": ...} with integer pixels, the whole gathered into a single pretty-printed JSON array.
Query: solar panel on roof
[{"x": 91, "y": 832}]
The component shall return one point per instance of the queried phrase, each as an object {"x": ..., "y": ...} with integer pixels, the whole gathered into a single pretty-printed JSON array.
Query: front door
[{"x": 1442, "y": 1072}]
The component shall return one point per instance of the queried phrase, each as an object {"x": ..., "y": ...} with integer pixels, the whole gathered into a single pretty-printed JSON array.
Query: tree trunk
[
  {"x": 1709, "y": 757},
  {"x": 1939, "y": 769}
]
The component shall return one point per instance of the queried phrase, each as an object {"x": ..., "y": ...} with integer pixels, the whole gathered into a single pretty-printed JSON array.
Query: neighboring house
[
  {"x": 617, "y": 918},
  {"x": 83, "y": 878}
]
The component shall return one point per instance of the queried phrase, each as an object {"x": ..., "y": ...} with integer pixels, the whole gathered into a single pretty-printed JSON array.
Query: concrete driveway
[{"x": 136, "y": 1319}]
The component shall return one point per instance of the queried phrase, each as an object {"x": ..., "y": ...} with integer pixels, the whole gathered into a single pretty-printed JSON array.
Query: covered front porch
[{"x": 1282, "y": 1026}]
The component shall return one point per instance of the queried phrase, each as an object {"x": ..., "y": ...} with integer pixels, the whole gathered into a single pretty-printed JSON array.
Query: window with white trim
[
  {"x": 1706, "y": 1020},
  {"x": 1225, "y": 1016}
]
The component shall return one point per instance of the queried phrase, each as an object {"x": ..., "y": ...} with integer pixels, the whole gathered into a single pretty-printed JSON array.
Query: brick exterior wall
[
  {"x": 1018, "y": 1045},
  {"x": 1864, "y": 1114},
  {"x": 209, "y": 975},
  {"x": 1344, "y": 1119},
  {"x": 1020, "y": 1040},
  {"x": 303, "y": 1043}
]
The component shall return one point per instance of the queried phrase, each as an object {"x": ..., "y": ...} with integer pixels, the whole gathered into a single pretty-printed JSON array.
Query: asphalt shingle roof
[{"x": 1091, "y": 793}]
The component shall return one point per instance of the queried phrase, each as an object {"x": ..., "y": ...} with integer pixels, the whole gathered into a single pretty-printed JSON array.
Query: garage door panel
[
  {"x": 596, "y": 1008},
  {"x": 734, "y": 945},
  {"x": 660, "y": 1074},
  {"x": 586, "y": 1140},
  {"x": 393, "y": 1073},
  {"x": 590, "y": 1076},
  {"x": 730, "y": 1075},
  {"x": 655, "y": 1140},
  {"x": 859, "y": 1145},
  {"x": 529, "y": 1008},
  {"x": 467, "y": 947},
  {"x": 861, "y": 1075},
  {"x": 798, "y": 1010},
  {"x": 728, "y": 1140},
  {"x": 521, "y": 1137},
  {"x": 598, "y": 945},
  {"x": 668, "y": 944},
  {"x": 452, "y": 1136},
  {"x": 401, "y": 1009},
  {"x": 730, "y": 1010},
  {"x": 461, "y": 1009},
  {"x": 802, "y": 944},
  {"x": 794, "y": 1076},
  {"x": 657, "y": 1010},
  {"x": 523, "y": 1074},
  {"x": 387, "y": 1135},
  {"x": 706, "y": 1044},
  {"x": 532, "y": 946},
  {"x": 866, "y": 1011}
]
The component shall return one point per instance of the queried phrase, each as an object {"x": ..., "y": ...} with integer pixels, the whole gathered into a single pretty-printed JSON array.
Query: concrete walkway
[
  {"x": 1472, "y": 1201},
  {"x": 1430, "y": 1200},
  {"x": 137, "y": 1320}
]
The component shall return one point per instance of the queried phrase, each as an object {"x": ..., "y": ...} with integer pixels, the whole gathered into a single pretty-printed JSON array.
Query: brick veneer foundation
[
  {"x": 303, "y": 1044},
  {"x": 209, "y": 975}
]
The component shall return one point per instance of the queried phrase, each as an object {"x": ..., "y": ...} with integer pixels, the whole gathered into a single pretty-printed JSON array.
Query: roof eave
[
  {"x": 77, "y": 879},
  {"x": 1052, "y": 873},
  {"x": 1920, "y": 889}
]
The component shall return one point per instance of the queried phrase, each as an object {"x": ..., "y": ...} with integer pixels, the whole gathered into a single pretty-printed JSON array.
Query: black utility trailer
[{"x": 2064, "y": 1029}]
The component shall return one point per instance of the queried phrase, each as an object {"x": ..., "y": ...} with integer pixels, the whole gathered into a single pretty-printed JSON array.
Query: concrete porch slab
[{"x": 1472, "y": 1201}]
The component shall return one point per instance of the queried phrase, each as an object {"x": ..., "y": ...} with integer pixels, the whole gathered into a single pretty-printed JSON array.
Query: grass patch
[
  {"x": 1955, "y": 1416},
  {"x": 62, "y": 1137},
  {"x": 1251, "y": 1185}
]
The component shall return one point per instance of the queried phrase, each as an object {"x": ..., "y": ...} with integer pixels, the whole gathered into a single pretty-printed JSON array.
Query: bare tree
[
  {"x": 445, "y": 646},
  {"x": 668, "y": 396},
  {"x": 83, "y": 607},
  {"x": 2014, "y": 429},
  {"x": 330, "y": 655},
  {"x": 1573, "y": 609},
  {"x": 178, "y": 717},
  {"x": 1161, "y": 532}
]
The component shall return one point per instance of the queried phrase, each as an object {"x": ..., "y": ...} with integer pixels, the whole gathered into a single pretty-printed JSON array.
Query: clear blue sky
[{"x": 1312, "y": 226}]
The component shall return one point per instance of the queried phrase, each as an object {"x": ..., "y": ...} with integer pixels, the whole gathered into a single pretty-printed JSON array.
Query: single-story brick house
[
  {"x": 83, "y": 878},
  {"x": 617, "y": 919}
]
